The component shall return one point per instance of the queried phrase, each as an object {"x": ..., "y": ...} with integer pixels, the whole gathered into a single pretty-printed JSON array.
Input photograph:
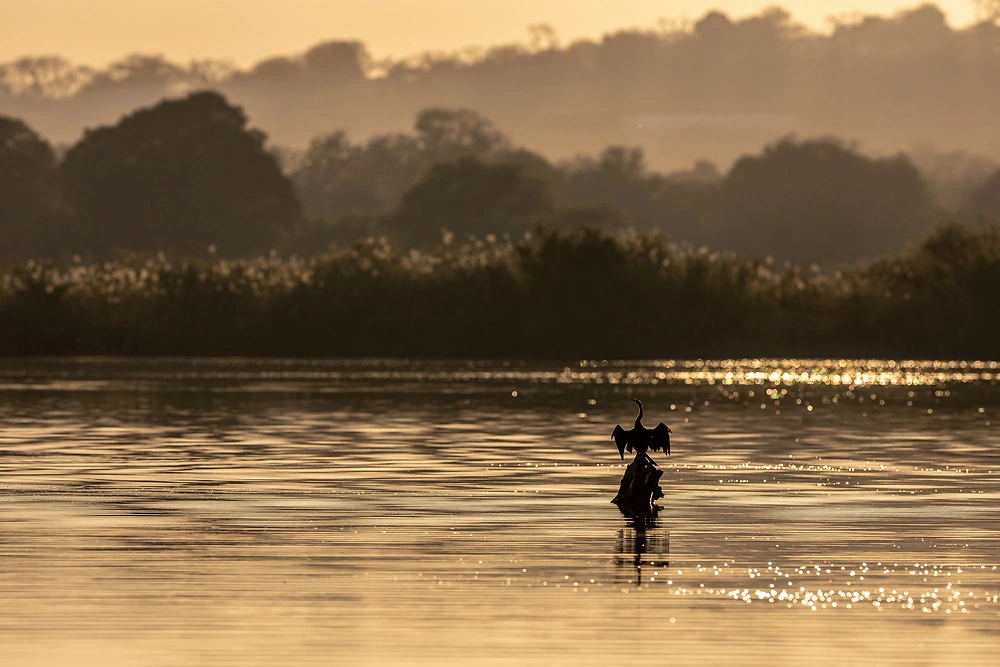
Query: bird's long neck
[{"x": 639, "y": 418}]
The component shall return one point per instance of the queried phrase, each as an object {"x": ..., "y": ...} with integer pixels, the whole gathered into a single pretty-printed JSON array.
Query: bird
[{"x": 640, "y": 438}]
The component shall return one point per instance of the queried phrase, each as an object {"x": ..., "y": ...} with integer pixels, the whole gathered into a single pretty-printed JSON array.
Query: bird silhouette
[{"x": 640, "y": 438}]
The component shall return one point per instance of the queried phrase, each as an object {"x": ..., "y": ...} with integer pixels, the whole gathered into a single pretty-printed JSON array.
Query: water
[{"x": 378, "y": 512}]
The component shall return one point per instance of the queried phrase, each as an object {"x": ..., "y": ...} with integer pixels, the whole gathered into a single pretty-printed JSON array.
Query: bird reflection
[{"x": 640, "y": 543}]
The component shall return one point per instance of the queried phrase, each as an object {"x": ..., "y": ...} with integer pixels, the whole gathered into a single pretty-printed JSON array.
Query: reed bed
[{"x": 576, "y": 294}]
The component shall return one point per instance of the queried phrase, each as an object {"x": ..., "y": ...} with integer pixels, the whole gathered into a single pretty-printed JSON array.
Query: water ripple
[{"x": 388, "y": 512}]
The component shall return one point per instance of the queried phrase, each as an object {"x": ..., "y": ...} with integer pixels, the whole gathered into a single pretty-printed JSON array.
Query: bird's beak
[{"x": 668, "y": 430}]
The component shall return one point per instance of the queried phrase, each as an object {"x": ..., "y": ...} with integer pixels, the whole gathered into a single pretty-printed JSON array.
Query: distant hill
[{"x": 716, "y": 89}]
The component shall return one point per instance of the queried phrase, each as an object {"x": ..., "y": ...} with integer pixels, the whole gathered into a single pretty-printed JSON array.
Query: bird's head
[{"x": 637, "y": 402}]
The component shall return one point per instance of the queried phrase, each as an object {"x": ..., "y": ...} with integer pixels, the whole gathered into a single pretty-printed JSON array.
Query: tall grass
[{"x": 573, "y": 294}]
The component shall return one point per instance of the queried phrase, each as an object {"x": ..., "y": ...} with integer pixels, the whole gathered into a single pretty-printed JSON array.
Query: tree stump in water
[{"x": 640, "y": 487}]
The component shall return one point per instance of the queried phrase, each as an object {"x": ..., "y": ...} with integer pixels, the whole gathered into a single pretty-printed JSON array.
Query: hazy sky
[{"x": 96, "y": 32}]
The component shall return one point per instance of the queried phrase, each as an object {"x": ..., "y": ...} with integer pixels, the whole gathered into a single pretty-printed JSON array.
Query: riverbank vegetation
[{"x": 582, "y": 293}]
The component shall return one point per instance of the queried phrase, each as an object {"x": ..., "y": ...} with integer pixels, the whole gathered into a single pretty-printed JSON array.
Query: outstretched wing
[
  {"x": 621, "y": 439},
  {"x": 661, "y": 438}
]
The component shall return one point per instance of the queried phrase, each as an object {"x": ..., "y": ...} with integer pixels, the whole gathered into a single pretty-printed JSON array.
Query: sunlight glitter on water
[
  {"x": 859, "y": 373},
  {"x": 275, "y": 374},
  {"x": 386, "y": 512},
  {"x": 856, "y": 585}
]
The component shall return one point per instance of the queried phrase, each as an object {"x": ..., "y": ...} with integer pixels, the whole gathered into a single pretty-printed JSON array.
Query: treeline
[
  {"x": 582, "y": 294},
  {"x": 189, "y": 175},
  {"x": 807, "y": 201},
  {"x": 713, "y": 88}
]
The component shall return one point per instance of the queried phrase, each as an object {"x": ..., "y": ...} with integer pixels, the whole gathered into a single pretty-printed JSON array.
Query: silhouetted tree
[
  {"x": 44, "y": 77},
  {"x": 471, "y": 197},
  {"x": 146, "y": 75},
  {"x": 685, "y": 204},
  {"x": 337, "y": 62},
  {"x": 29, "y": 191},
  {"x": 448, "y": 134},
  {"x": 179, "y": 176},
  {"x": 617, "y": 178},
  {"x": 335, "y": 177},
  {"x": 818, "y": 201},
  {"x": 328, "y": 63},
  {"x": 985, "y": 200},
  {"x": 330, "y": 179},
  {"x": 533, "y": 164},
  {"x": 391, "y": 163},
  {"x": 942, "y": 291},
  {"x": 952, "y": 176}
]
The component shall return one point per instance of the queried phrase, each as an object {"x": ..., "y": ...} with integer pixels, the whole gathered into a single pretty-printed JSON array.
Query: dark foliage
[
  {"x": 336, "y": 178},
  {"x": 332, "y": 179},
  {"x": 984, "y": 201},
  {"x": 814, "y": 201},
  {"x": 179, "y": 177},
  {"x": 582, "y": 294},
  {"x": 29, "y": 191},
  {"x": 187, "y": 174},
  {"x": 470, "y": 197},
  {"x": 818, "y": 201}
]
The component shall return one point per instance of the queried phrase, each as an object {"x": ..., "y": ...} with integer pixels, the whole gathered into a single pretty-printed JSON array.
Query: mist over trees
[
  {"x": 808, "y": 201},
  {"x": 335, "y": 177},
  {"x": 188, "y": 174},
  {"x": 716, "y": 88},
  {"x": 703, "y": 131}
]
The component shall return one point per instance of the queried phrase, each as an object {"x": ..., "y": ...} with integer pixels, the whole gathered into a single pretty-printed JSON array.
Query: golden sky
[{"x": 95, "y": 32}]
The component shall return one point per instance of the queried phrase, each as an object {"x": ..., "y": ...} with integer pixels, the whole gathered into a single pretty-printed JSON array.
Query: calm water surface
[{"x": 292, "y": 512}]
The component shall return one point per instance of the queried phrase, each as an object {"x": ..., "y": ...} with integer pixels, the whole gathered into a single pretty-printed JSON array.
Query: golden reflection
[
  {"x": 641, "y": 542},
  {"x": 830, "y": 372},
  {"x": 837, "y": 374},
  {"x": 184, "y": 507},
  {"x": 875, "y": 586}
]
